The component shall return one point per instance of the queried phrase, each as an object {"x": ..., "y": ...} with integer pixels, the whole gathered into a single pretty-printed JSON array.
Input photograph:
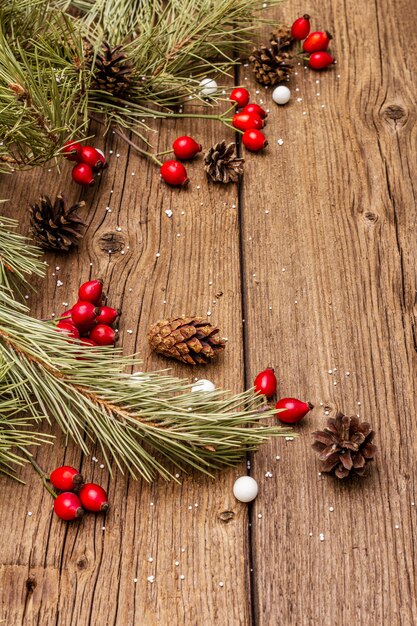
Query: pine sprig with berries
[
  {"x": 63, "y": 62},
  {"x": 144, "y": 424}
]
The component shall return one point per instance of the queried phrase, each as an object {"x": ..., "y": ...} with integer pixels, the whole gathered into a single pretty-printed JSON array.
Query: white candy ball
[
  {"x": 281, "y": 94},
  {"x": 203, "y": 385},
  {"x": 208, "y": 87},
  {"x": 245, "y": 489}
]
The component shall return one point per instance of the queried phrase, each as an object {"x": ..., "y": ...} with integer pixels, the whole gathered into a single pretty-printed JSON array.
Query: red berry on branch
[
  {"x": 174, "y": 173},
  {"x": 103, "y": 335},
  {"x": 186, "y": 147},
  {"x": 301, "y": 27},
  {"x": 255, "y": 108},
  {"x": 295, "y": 410},
  {"x": 91, "y": 291},
  {"x": 65, "y": 314},
  {"x": 82, "y": 174},
  {"x": 254, "y": 140},
  {"x": 241, "y": 96},
  {"x": 93, "y": 498},
  {"x": 317, "y": 42},
  {"x": 320, "y": 60},
  {"x": 68, "y": 328},
  {"x": 65, "y": 478},
  {"x": 266, "y": 382},
  {"x": 107, "y": 315},
  {"x": 87, "y": 342},
  {"x": 93, "y": 157},
  {"x": 72, "y": 150},
  {"x": 68, "y": 506},
  {"x": 247, "y": 121},
  {"x": 84, "y": 315}
]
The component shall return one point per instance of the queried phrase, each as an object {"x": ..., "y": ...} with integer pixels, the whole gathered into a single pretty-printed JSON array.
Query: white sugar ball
[
  {"x": 281, "y": 94},
  {"x": 245, "y": 489},
  {"x": 208, "y": 87},
  {"x": 203, "y": 385}
]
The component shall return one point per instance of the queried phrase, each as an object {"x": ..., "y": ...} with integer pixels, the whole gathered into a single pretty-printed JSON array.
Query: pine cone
[
  {"x": 112, "y": 72},
  {"x": 273, "y": 64},
  {"x": 55, "y": 226},
  {"x": 221, "y": 163},
  {"x": 191, "y": 340},
  {"x": 345, "y": 446}
]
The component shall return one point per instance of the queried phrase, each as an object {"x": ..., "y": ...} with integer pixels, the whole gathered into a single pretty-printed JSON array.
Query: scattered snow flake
[
  {"x": 280, "y": 142},
  {"x": 168, "y": 213},
  {"x": 321, "y": 536},
  {"x": 151, "y": 579}
]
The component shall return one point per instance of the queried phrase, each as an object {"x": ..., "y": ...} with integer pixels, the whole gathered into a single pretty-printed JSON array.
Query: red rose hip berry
[
  {"x": 266, "y": 382},
  {"x": 320, "y": 60},
  {"x": 65, "y": 478},
  {"x": 91, "y": 291},
  {"x": 68, "y": 506},
  {"x": 103, "y": 335},
  {"x": 317, "y": 42},
  {"x": 294, "y": 410},
  {"x": 93, "y": 498},
  {"x": 83, "y": 315},
  {"x": 247, "y": 121},
  {"x": 72, "y": 150},
  {"x": 93, "y": 157},
  {"x": 240, "y": 96},
  {"x": 255, "y": 108},
  {"x": 186, "y": 147},
  {"x": 107, "y": 315},
  {"x": 67, "y": 327},
  {"x": 301, "y": 27},
  {"x": 82, "y": 174},
  {"x": 174, "y": 173},
  {"x": 254, "y": 140}
]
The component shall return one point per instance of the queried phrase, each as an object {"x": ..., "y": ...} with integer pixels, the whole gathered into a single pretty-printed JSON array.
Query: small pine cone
[
  {"x": 221, "y": 163},
  {"x": 272, "y": 64},
  {"x": 345, "y": 446},
  {"x": 191, "y": 340},
  {"x": 112, "y": 70},
  {"x": 55, "y": 226}
]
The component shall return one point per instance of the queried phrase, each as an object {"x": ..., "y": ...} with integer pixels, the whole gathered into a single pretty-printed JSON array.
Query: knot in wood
[
  {"x": 111, "y": 242},
  {"x": 226, "y": 516},
  {"x": 82, "y": 562},
  {"x": 371, "y": 217},
  {"x": 396, "y": 114},
  {"x": 30, "y": 583}
]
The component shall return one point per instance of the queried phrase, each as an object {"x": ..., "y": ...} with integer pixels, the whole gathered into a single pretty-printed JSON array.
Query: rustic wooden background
[{"x": 315, "y": 253}]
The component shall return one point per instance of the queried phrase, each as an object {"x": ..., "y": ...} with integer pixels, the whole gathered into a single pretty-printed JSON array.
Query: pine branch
[{"x": 135, "y": 421}]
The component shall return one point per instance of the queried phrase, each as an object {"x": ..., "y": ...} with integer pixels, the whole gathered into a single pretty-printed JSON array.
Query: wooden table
[{"x": 315, "y": 255}]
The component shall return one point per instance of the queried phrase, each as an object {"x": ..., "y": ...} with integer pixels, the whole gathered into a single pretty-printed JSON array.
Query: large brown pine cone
[
  {"x": 55, "y": 225},
  {"x": 272, "y": 64},
  {"x": 221, "y": 163},
  {"x": 112, "y": 69},
  {"x": 345, "y": 446},
  {"x": 190, "y": 340}
]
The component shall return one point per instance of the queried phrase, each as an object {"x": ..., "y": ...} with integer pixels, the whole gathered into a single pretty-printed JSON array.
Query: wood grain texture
[
  {"x": 330, "y": 284},
  {"x": 316, "y": 251},
  {"x": 83, "y": 573}
]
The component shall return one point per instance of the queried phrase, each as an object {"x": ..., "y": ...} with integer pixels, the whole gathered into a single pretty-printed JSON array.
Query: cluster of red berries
[
  {"x": 89, "y": 320},
  {"x": 315, "y": 44},
  {"x": 88, "y": 160},
  {"x": 289, "y": 410},
  {"x": 75, "y": 497},
  {"x": 248, "y": 120}
]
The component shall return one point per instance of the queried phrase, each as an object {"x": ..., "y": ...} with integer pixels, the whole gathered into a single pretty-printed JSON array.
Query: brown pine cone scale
[
  {"x": 191, "y": 340},
  {"x": 345, "y": 446}
]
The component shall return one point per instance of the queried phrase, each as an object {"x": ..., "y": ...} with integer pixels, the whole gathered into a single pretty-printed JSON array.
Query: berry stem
[
  {"x": 43, "y": 475},
  {"x": 164, "y": 152},
  {"x": 131, "y": 143}
]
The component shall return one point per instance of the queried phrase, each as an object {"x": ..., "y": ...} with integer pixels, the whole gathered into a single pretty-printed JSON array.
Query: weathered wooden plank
[
  {"x": 330, "y": 284},
  {"x": 84, "y": 573}
]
